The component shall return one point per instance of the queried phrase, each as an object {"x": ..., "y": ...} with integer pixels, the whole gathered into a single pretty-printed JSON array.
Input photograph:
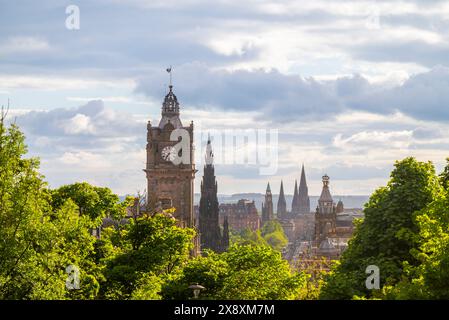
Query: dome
[{"x": 171, "y": 104}]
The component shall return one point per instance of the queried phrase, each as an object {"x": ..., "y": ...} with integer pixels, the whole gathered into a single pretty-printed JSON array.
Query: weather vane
[{"x": 169, "y": 71}]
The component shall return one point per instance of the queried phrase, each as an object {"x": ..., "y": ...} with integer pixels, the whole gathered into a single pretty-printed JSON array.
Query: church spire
[
  {"x": 282, "y": 204},
  {"x": 295, "y": 201},
  {"x": 303, "y": 194},
  {"x": 209, "y": 158},
  {"x": 267, "y": 206}
]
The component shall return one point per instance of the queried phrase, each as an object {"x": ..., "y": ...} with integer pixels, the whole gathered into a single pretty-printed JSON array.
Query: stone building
[
  {"x": 168, "y": 183},
  {"x": 267, "y": 206},
  {"x": 209, "y": 228},
  {"x": 240, "y": 215}
]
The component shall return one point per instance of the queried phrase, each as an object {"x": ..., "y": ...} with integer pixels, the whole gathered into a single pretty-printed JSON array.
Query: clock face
[{"x": 168, "y": 153}]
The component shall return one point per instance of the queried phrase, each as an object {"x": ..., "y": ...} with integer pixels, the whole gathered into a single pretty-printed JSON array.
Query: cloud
[
  {"x": 93, "y": 120},
  {"x": 14, "y": 45},
  {"x": 281, "y": 98}
]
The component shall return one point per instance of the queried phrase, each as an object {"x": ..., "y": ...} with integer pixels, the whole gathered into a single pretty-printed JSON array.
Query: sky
[{"x": 348, "y": 86}]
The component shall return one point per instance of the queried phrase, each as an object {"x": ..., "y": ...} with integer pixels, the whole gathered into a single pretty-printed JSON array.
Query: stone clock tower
[{"x": 170, "y": 183}]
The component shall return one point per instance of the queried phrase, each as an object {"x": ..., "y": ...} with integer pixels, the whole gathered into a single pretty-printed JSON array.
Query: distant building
[
  {"x": 326, "y": 214},
  {"x": 240, "y": 215},
  {"x": 267, "y": 206}
]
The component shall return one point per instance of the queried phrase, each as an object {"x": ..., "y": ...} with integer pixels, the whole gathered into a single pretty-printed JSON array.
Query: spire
[
  {"x": 209, "y": 226},
  {"x": 325, "y": 193},
  {"x": 282, "y": 204},
  {"x": 281, "y": 192},
  {"x": 267, "y": 206},
  {"x": 295, "y": 201},
  {"x": 303, "y": 182},
  {"x": 209, "y": 153},
  {"x": 303, "y": 194}
]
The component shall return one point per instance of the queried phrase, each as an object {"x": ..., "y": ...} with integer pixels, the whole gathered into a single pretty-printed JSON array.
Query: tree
[
  {"x": 38, "y": 242},
  {"x": 243, "y": 272},
  {"x": 94, "y": 202},
  {"x": 274, "y": 235},
  {"x": 429, "y": 279},
  {"x": 387, "y": 235},
  {"x": 151, "y": 246}
]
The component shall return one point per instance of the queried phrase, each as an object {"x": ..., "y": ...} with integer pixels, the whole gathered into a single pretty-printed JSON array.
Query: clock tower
[{"x": 170, "y": 182}]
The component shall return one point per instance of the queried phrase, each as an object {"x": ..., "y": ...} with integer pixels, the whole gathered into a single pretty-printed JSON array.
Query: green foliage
[
  {"x": 243, "y": 272},
  {"x": 388, "y": 234},
  {"x": 274, "y": 235},
  {"x": 151, "y": 245},
  {"x": 271, "y": 234},
  {"x": 429, "y": 279},
  {"x": 38, "y": 241},
  {"x": 94, "y": 202}
]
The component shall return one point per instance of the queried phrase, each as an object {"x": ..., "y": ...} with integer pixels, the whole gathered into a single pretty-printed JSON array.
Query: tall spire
[
  {"x": 295, "y": 201},
  {"x": 209, "y": 227},
  {"x": 209, "y": 159},
  {"x": 267, "y": 206},
  {"x": 303, "y": 194},
  {"x": 282, "y": 204}
]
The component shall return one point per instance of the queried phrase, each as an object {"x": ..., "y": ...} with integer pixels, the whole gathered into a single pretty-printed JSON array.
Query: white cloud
[
  {"x": 375, "y": 139},
  {"x": 14, "y": 45},
  {"x": 79, "y": 124}
]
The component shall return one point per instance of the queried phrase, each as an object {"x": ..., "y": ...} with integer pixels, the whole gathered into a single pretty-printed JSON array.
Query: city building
[{"x": 240, "y": 215}]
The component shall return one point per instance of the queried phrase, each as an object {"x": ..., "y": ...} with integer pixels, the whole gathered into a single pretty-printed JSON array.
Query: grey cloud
[
  {"x": 286, "y": 98},
  {"x": 279, "y": 97}
]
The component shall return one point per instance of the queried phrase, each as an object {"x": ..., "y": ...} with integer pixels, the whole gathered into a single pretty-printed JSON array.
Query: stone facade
[{"x": 240, "y": 215}]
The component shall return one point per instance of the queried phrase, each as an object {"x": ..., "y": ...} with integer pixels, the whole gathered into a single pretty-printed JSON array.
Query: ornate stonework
[
  {"x": 170, "y": 184},
  {"x": 325, "y": 216}
]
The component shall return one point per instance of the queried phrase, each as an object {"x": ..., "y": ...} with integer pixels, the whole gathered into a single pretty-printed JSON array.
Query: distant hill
[{"x": 348, "y": 200}]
